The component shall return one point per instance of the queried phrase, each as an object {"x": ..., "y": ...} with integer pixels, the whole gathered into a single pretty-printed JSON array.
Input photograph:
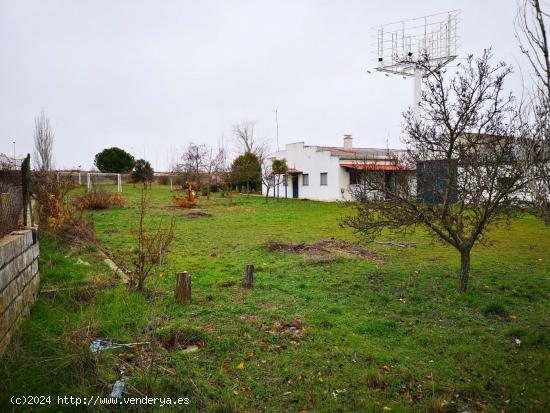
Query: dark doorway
[
  {"x": 294, "y": 186},
  {"x": 389, "y": 181}
]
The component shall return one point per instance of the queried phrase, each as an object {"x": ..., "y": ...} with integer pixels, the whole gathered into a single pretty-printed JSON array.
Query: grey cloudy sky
[{"x": 150, "y": 76}]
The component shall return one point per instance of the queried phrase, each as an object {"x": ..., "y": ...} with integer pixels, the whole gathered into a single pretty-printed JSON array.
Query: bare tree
[
  {"x": 224, "y": 174},
  {"x": 532, "y": 35},
  {"x": 214, "y": 166},
  {"x": 464, "y": 148},
  {"x": 43, "y": 143},
  {"x": 267, "y": 177},
  {"x": 272, "y": 172},
  {"x": 280, "y": 169},
  {"x": 247, "y": 141},
  {"x": 194, "y": 162}
]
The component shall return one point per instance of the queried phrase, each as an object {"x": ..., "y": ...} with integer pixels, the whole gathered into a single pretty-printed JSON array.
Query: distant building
[
  {"x": 7, "y": 162},
  {"x": 326, "y": 173}
]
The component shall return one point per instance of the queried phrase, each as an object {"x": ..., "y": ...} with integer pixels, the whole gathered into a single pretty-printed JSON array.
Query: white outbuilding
[{"x": 326, "y": 173}]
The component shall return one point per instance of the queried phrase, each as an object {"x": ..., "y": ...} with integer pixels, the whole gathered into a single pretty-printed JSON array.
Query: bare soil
[
  {"x": 197, "y": 214},
  {"x": 179, "y": 340},
  {"x": 324, "y": 249}
]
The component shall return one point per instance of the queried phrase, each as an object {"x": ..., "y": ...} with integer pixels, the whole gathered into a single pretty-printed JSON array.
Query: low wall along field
[{"x": 19, "y": 280}]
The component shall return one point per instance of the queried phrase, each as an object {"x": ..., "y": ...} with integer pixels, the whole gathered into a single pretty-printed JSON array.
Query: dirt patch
[
  {"x": 324, "y": 250},
  {"x": 294, "y": 328},
  {"x": 197, "y": 214},
  {"x": 182, "y": 340},
  {"x": 397, "y": 244}
]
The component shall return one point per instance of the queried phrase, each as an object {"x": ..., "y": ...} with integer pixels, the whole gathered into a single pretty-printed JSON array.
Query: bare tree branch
[{"x": 466, "y": 152}]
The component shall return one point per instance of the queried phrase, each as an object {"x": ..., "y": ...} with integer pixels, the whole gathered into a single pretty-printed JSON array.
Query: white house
[{"x": 325, "y": 173}]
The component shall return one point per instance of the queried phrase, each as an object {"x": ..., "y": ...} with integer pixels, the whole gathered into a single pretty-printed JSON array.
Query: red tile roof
[
  {"x": 293, "y": 171},
  {"x": 359, "y": 153},
  {"x": 376, "y": 167}
]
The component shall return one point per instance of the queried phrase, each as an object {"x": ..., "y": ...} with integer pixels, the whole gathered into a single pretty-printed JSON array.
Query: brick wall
[{"x": 19, "y": 280}]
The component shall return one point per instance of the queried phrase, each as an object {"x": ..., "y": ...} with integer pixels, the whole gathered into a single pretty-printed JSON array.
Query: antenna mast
[
  {"x": 277, "y": 124},
  {"x": 402, "y": 45}
]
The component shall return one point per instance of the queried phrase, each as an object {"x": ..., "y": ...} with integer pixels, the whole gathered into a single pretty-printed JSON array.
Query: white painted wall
[
  {"x": 312, "y": 161},
  {"x": 309, "y": 160}
]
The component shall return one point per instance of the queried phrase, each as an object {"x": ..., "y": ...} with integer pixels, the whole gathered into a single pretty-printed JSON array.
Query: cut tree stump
[
  {"x": 183, "y": 288},
  {"x": 248, "y": 276}
]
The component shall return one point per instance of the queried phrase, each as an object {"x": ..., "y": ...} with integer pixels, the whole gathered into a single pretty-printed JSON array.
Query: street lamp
[{"x": 14, "y": 160}]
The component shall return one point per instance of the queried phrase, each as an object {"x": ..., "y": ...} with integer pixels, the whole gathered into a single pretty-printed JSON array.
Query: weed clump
[
  {"x": 75, "y": 228},
  {"x": 495, "y": 308},
  {"x": 378, "y": 328},
  {"x": 99, "y": 199}
]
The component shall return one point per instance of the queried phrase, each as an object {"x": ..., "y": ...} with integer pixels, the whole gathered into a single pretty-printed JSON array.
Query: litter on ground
[
  {"x": 100, "y": 345},
  {"x": 117, "y": 389}
]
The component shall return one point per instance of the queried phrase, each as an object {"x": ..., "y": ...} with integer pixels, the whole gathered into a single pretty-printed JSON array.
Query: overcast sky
[{"x": 151, "y": 76}]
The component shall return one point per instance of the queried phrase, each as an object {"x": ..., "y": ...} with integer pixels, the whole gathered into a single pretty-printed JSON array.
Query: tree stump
[
  {"x": 248, "y": 276},
  {"x": 183, "y": 288}
]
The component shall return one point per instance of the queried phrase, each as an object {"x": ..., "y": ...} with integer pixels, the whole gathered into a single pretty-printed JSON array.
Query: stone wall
[{"x": 19, "y": 280}]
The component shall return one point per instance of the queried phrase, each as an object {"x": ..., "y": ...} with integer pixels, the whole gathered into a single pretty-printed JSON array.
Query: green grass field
[{"x": 392, "y": 334}]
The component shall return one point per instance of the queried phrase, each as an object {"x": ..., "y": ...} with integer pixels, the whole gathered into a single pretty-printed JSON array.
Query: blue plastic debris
[
  {"x": 117, "y": 389},
  {"x": 98, "y": 345}
]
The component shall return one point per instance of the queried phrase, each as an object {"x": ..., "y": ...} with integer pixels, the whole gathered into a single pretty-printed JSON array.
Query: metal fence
[
  {"x": 11, "y": 201},
  {"x": 14, "y": 184}
]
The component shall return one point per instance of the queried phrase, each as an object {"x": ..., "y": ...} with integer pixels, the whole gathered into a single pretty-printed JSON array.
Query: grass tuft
[{"x": 495, "y": 308}]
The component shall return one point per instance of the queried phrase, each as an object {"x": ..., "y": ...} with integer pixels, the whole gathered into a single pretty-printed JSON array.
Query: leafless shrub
[
  {"x": 152, "y": 242},
  {"x": 51, "y": 196},
  {"x": 76, "y": 228},
  {"x": 56, "y": 211},
  {"x": 99, "y": 199}
]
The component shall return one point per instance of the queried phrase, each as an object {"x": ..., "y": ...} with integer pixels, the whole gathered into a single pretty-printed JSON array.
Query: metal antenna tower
[{"x": 400, "y": 46}]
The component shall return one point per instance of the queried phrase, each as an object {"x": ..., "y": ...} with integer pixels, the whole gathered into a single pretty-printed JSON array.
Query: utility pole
[
  {"x": 14, "y": 162},
  {"x": 417, "y": 91},
  {"x": 277, "y": 124}
]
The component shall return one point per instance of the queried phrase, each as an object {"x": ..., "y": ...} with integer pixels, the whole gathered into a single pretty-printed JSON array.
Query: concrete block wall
[{"x": 19, "y": 280}]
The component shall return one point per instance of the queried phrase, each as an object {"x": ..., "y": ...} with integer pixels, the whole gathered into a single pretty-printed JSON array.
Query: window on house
[
  {"x": 305, "y": 179},
  {"x": 505, "y": 182},
  {"x": 285, "y": 180},
  {"x": 356, "y": 177},
  {"x": 324, "y": 178}
]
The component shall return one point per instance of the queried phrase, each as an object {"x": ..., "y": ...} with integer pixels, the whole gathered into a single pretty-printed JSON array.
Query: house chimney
[{"x": 348, "y": 142}]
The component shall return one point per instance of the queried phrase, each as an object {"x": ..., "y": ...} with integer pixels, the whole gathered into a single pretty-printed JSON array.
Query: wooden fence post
[
  {"x": 183, "y": 288},
  {"x": 248, "y": 276}
]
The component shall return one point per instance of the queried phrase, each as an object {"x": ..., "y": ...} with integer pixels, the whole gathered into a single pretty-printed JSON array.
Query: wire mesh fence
[{"x": 11, "y": 201}]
